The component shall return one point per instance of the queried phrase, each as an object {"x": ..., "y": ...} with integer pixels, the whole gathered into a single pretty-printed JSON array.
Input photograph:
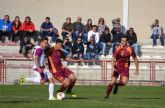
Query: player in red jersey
[
  {"x": 120, "y": 66},
  {"x": 58, "y": 70}
]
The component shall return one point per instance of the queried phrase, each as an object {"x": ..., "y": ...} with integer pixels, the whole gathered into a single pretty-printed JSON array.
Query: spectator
[
  {"x": 5, "y": 28},
  {"x": 67, "y": 28},
  {"x": 67, "y": 48},
  {"x": 47, "y": 29},
  {"x": 17, "y": 29},
  {"x": 94, "y": 33},
  {"x": 101, "y": 26},
  {"x": 25, "y": 46},
  {"x": 29, "y": 29},
  {"x": 116, "y": 23},
  {"x": 132, "y": 40},
  {"x": 78, "y": 49},
  {"x": 87, "y": 28},
  {"x": 105, "y": 39},
  {"x": 156, "y": 32},
  {"x": 78, "y": 28},
  {"x": 91, "y": 52},
  {"x": 116, "y": 37}
]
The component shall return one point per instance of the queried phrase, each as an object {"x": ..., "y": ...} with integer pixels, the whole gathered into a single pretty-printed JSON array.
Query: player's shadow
[
  {"x": 18, "y": 101},
  {"x": 77, "y": 98},
  {"x": 142, "y": 98}
]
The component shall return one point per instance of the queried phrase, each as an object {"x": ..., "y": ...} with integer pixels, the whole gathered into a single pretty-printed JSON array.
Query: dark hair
[
  {"x": 7, "y": 16},
  {"x": 27, "y": 17},
  {"x": 47, "y": 18},
  {"x": 43, "y": 39},
  {"x": 17, "y": 17},
  {"x": 125, "y": 36},
  {"x": 59, "y": 41},
  {"x": 88, "y": 22},
  {"x": 101, "y": 19},
  {"x": 68, "y": 18}
]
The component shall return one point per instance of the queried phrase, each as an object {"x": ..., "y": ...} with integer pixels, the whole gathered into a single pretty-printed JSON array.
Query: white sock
[
  {"x": 35, "y": 80},
  {"x": 51, "y": 90}
]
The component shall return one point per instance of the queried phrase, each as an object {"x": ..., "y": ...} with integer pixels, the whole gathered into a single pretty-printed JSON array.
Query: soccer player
[
  {"x": 38, "y": 68},
  {"x": 120, "y": 66},
  {"x": 58, "y": 70}
]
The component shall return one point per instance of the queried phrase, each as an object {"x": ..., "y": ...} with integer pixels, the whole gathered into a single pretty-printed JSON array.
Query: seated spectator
[
  {"x": 17, "y": 29},
  {"x": 78, "y": 49},
  {"x": 25, "y": 46},
  {"x": 78, "y": 29},
  {"x": 86, "y": 29},
  {"x": 5, "y": 28},
  {"x": 105, "y": 39},
  {"x": 67, "y": 48},
  {"x": 156, "y": 32},
  {"x": 29, "y": 29},
  {"x": 116, "y": 23},
  {"x": 47, "y": 29},
  {"x": 101, "y": 26},
  {"x": 132, "y": 40},
  {"x": 91, "y": 52},
  {"x": 116, "y": 37},
  {"x": 95, "y": 34},
  {"x": 67, "y": 29}
]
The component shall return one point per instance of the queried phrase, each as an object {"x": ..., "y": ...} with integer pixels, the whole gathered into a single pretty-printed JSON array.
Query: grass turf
[{"x": 35, "y": 96}]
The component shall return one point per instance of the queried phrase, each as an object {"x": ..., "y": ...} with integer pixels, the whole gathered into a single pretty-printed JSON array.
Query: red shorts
[
  {"x": 61, "y": 75},
  {"x": 121, "y": 72}
]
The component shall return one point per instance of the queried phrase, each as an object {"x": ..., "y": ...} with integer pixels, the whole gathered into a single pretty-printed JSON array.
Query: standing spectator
[
  {"x": 29, "y": 29},
  {"x": 101, "y": 26},
  {"x": 87, "y": 28},
  {"x": 78, "y": 28},
  {"x": 25, "y": 46},
  {"x": 47, "y": 29},
  {"x": 105, "y": 39},
  {"x": 67, "y": 28},
  {"x": 5, "y": 28},
  {"x": 67, "y": 48},
  {"x": 78, "y": 49},
  {"x": 17, "y": 29},
  {"x": 91, "y": 52},
  {"x": 116, "y": 23},
  {"x": 132, "y": 40},
  {"x": 156, "y": 32},
  {"x": 116, "y": 37}
]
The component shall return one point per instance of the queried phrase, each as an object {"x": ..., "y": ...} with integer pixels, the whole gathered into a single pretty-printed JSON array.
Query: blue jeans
[
  {"x": 85, "y": 38},
  {"x": 155, "y": 37},
  {"x": 114, "y": 44},
  {"x": 136, "y": 48},
  {"x": 52, "y": 34},
  {"x": 101, "y": 48}
]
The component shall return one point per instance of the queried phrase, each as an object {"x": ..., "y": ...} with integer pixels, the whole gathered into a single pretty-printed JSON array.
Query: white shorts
[{"x": 37, "y": 75}]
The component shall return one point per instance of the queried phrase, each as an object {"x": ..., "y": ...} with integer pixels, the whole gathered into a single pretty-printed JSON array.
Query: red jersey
[
  {"x": 54, "y": 61},
  {"x": 122, "y": 56}
]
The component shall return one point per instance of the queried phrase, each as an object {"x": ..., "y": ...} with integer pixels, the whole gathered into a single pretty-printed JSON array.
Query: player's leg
[
  {"x": 35, "y": 79},
  {"x": 123, "y": 81},
  {"x": 110, "y": 86},
  {"x": 65, "y": 84},
  {"x": 72, "y": 79}
]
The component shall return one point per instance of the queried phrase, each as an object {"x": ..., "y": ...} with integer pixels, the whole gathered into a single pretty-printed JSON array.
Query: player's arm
[
  {"x": 136, "y": 62},
  {"x": 136, "y": 65},
  {"x": 37, "y": 65},
  {"x": 113, "y": 60}
]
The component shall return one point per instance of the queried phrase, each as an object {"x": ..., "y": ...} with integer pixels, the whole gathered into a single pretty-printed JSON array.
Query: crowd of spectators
[{"x": 80, "y": 41}]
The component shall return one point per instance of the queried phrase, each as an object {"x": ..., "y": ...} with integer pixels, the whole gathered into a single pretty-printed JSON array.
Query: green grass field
[{"x": 35, "y": 96}]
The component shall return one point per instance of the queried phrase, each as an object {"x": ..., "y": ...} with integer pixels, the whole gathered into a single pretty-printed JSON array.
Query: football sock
[
  {"x": 35, "y": 80},
  {"x": 109, "y": 89},
  {"x": 51, "y": 90},
  {"x": 71, "y": 85},
  {"x": 120, "y": 83},
  {"x": 62, "y": 88}
]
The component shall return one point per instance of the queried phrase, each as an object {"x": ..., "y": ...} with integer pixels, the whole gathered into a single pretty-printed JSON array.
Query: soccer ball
[{"x": 60, "y": 96}]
